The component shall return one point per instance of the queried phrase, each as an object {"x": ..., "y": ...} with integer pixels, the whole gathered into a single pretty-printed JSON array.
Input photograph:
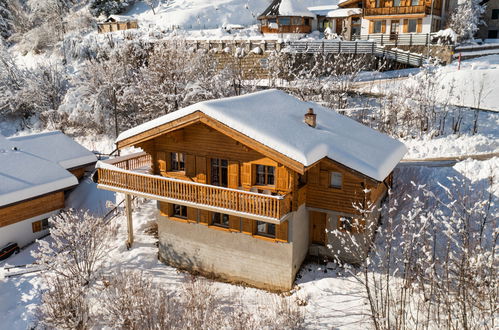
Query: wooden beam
[{"x": 128, "y": 206}]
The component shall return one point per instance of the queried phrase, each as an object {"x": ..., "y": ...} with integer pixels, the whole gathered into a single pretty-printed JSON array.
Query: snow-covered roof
[
  {"x": 119, "y": 18},
  {"x": 56, "y": 147},
  {"x": 344, "y": 12},
  {"x": 322, "y": 10},
  {"x": 37, "y": 164},
  {"x": 287, "y": 8},
  {"x": 275, "y": 119}
]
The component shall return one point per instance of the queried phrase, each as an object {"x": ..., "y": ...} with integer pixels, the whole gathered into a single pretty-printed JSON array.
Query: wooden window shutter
[
  {"x": 233, "y": 174},
  {"x": 205, "y": 217},
  {"x": 190, "y": 166},
  {"x": 383, "y": 26},
  {"x": 166, "y": 209},
  {"x": 162, "y": 161},
  {"x": 234, "y": 223},
  {"x": 282, "y": 231},
  {"x": 371, "y": 27},
  {"x": 201, "y": 169},
  {"x": 192, "y": 214},
  {"x": 247, "y": 226},
  {"x": 313, "y": 175},
  {"x": 282, "y": 180},
  {"x": 420, "y": 25},
  {"x": 36, "y": 226},
  {"x": 324, "y": 178},
  {"x": 405, "y": 25},
  {"x": 246, "y": 175}
]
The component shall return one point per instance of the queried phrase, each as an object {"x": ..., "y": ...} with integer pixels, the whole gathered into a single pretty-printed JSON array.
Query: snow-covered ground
[{"x": 332, "y": 297}]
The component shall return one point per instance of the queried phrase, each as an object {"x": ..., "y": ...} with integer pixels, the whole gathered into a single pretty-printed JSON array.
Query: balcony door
[
  {"x": 394, "y": 29},
  {"x": 219, "y": 172}
]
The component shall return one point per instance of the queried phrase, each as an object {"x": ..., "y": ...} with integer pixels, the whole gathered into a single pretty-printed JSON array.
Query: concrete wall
[
  {"x": 22, "y": 232},
  {"x": 234, "y": 256}
]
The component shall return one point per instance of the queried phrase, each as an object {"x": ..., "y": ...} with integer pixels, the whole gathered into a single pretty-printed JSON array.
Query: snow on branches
[{"x": 467, "y": 18}]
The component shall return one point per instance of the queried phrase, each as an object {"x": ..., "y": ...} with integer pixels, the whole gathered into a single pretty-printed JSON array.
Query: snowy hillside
[{"x": 202, "y": 14}]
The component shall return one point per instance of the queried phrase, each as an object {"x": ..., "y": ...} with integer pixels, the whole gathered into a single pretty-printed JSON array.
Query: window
[
  {"x": 378, "y": 3},
  {"x": 412, "y": 25},
  {"x": 336, "y": 180},
  {"x": 265, "y": 229},
  {"x": 396, "y": 3},
  {"x": 219, "y": 219},
  {"x": 377, "y": 26},
  {"x": 349, "y": 224},
  {"x": 295, "y": 21},
  {"x": 219, "y": 172},
  {"x": 265, "y": 175},
  {"x": 284, "y": 21},
  {"x": 414, "y": 2},
  {"x": 265, "y": 22},
  {"x": 180, "y": 211},
  {"x": 40, "y": 225},
  {"x": 492, "y": 34},
  {"x": 495, "y": 13},
  {"x": 178, "y": 163}
]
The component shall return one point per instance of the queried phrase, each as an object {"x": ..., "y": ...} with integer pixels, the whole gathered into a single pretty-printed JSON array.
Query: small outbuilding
[
  {"x": 36, "y": 171},
  {"x": 117, "y": 23},
  {"x": 286, "y": 17}
]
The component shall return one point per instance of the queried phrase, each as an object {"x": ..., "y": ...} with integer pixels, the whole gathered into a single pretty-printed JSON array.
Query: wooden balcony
[
  {"x": 130, "y": 175},
  {"x": 399, "y": 10},
  {"x": 286, "y": 29}
]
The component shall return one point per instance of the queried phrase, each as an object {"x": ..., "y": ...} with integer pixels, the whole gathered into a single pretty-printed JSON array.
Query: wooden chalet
[
  {"x": 35, "y": 173},
  {"x": 394, "y": 17},
  {"x": 343, "y": 20},
  {"x": 117, "y": 23},
  {"x": 288, "y": 17},
  {"x": 247, "y": 186}
]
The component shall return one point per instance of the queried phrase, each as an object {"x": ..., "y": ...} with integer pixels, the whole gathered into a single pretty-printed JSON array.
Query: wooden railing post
[{"x": 128, "y": 206}]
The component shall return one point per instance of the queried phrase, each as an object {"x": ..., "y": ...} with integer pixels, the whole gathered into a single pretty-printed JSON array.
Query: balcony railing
[
  {"x": 400, "y": 10},
  {"x": 218, "y": 199}
]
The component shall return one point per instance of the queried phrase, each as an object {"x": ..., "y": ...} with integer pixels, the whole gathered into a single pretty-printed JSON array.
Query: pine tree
[
  {"x": 467, "y": 18},
  {"x": 109, "y": 7}
]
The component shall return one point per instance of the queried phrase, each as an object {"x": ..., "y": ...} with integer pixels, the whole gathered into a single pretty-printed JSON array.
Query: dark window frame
[
  {"x": 269, "y": 229},
  {"x": 415, "y": 21},
  {"x": 177, "y": 162},
  {"x": 331, "y": 180},
  {"x": 495, "y": 14},
  {"x": 179, "y": 211},
  {"x": 375, "y": 29},
  {"x": 265, "y": 175},
  {"x": 219, "y": 172},
  {"x": 493, "y": 35},
  {"x": 220, "y": 220}
]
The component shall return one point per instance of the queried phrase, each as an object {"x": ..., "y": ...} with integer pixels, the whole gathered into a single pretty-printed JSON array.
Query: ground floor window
[
  {"x": 412, "y": 25},
  {"x": 180, "y": 211},
  {"x": 492, "y": 34},
  {"x": 265, "y": 229},
  {"x": 40, "y": 225},
  {"x": 377, "y": 27},
  {"x": 220, "y": 219}
]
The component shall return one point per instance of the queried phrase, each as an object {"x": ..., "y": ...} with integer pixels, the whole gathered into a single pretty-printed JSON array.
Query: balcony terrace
[
  {"x": 400, "y": 10},
  {"x": 132, "y": 175}
]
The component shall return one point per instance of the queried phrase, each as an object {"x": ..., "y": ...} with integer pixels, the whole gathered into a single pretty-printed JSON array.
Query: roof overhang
[
  {"x": 200, "y": 117},
  {"x": 402, "y": 16}
]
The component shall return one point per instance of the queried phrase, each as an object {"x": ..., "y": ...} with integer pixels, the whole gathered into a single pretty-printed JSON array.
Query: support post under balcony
[{"x": 128, "y": 207}]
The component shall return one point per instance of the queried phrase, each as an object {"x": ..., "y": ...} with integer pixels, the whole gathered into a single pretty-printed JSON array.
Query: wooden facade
[
  {"x": 181, "y": 164},
  {"x": 402, "y": 7},
  {"x": 292, "y": 25},
  {"x": 114, "y": 26},
  {"x": 27, "y": 209}
]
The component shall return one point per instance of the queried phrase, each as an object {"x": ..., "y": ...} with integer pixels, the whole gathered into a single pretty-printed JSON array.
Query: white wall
[{"x": 22, "y": 232}]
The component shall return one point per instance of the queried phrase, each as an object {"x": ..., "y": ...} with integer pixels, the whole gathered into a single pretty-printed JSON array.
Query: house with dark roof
[{"x": 248, "y": 186}]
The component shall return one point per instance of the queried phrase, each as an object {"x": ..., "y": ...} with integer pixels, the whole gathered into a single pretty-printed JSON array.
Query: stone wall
[{"x": 235, "y": 257}]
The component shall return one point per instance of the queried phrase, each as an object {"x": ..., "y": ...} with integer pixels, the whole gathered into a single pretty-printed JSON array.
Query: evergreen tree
[{"x": 109, "y": 7}]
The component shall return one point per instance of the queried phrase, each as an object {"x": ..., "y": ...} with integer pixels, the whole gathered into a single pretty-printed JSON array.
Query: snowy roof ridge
[
  {"x": 275, "y": 119},
  {"x": 38, "y": 164},
  {"x": 287, "y": 8}
]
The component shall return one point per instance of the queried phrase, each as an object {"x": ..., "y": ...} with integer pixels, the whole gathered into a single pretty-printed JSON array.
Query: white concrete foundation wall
[
  {"x": 234, "y": 256},
  {"x": 22, "y": 232}
]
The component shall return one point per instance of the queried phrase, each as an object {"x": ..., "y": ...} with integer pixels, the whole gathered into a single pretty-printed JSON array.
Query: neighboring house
[
  {"x": 247, "y": 186},
  {"x": 117, "y": 23},
  {"x": 394, "y": 17},
  {"x": 35, "y": 172},
  {"x": 490, "y": 30},
  {"x": 287, "y": 18},
  {"x": 343, "y": 19}
]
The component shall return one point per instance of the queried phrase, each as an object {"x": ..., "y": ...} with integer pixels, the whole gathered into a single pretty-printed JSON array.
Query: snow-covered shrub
[
  {"x": 78, "y": 246},
  {"x": 467, "y": 18},
  {"x": 109, "y": 7},
  {"x": 64, "y": 305}
]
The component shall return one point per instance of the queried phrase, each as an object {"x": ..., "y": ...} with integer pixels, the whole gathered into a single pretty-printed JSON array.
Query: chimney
[{"x": 310, "y": 118}]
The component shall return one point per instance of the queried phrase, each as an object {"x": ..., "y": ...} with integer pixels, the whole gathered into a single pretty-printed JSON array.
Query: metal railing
[{"x": 400, "y": 39}]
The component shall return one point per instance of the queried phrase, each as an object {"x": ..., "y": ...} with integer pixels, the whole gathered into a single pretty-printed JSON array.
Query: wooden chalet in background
[
  {"x": 36, "y": 171},
  {"x": 117, "y": 23},
  {"x": 247, "y": 186},
  {"x": 287, "y": 17}
]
